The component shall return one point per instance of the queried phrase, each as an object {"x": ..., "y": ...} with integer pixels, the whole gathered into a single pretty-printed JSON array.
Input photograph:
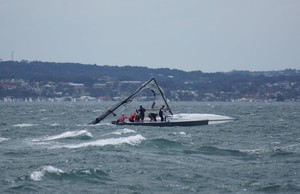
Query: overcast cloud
[{"x": 210, "y": 35}]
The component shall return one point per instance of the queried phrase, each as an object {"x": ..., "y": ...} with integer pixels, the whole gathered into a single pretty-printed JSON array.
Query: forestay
[{"x": 157, "y": 95}]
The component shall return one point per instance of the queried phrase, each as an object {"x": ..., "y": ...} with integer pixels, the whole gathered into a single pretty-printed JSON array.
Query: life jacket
[
  {"x": 122, "y": 119},
  {"x": 131, "y": 118}
]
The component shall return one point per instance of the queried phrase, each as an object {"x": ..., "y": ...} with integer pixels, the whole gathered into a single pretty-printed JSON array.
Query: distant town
[{"x": 44, "y": 81}]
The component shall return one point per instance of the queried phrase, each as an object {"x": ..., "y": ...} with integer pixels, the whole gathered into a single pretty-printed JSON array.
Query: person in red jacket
[
  {"x": 132, "y": 117},
  {"x": 122, "y": 118}
]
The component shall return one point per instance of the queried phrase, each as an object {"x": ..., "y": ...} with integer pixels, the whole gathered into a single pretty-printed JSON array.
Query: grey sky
[{"x": 210, "y": 35}]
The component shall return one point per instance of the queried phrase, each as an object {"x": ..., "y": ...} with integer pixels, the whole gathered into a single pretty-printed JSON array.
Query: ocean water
[{"x": 48, "y": 147}]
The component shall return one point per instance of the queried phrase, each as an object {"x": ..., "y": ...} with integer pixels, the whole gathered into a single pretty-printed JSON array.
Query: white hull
[{"x": 212, "y": 118}]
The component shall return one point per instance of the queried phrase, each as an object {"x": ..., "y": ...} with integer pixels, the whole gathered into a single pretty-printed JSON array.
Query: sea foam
[
  {"x": 69, "y": 134},
  {"x": 39, "y": 174},
  {"x": 3, "y": 139},
  {"x": 132, "y": 140},
  {"x": 24, "y": 125},
  {"x": 65, "y": 135},
  {"x": 123, "y": 131}
]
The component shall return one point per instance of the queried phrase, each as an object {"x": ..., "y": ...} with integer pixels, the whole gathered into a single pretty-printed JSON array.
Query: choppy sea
[{"x": 48, "y": 147}]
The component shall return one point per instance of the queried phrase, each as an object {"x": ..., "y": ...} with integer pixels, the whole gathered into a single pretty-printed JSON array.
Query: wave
[
  {"x": 83, "y": 125},
  {"x": 86, "y": 174},
  {"x": 67, "y": 135},
  {"x": 274, "y": 187},
  {"x": 103, "y": 124},
  {"x": 119, "y": 132},
  {"x": 3, "y": 139},
  {"x": 98, "y": 110},
  {"x": 210, "y": 150},
  {"x": 292, "y": 146},
  {"x": 54, "y": 124},
  {"x": 123, "y": 131},
  {"x": 283, "y": 153},
  {"x": 132, "y": 140},
  {"x": 277, "y": 151},
  {"x": 25, "y": 125},
  {"x": 183, "y": 134},
  {"x": 39, "y": 174},
  {"x": 161, "y": 143}
]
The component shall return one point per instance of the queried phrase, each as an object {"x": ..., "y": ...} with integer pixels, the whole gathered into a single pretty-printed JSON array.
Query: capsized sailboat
[{"x": 158, "y": 101}]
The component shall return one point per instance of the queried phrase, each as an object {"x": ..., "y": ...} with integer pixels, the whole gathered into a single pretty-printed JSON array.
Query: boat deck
[{"x": 165, "y": 123}]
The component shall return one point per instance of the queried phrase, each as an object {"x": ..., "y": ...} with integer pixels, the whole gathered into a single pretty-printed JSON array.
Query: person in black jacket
[
  {"x": 161, "y": 112},
  {"x": 141, "y": 111}
]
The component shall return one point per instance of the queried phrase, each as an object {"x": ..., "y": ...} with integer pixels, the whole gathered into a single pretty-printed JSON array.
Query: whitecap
[
  {"x": 132, "y": 140},
  {"x": 54, "y": 124},
  {"x": 3, "y": 139},
  {"x": 179, "y": 133},
  {"x": 182, "y": 134},
  {"x": 103, "y": 124},
  {"x": 25, "y": 125},
  {"x": 82, "y": 125},
  {"x": 97, "y": 110},
  {"x": 69, "y": 134},
  {"x": 65, "y": 135},
  {"x": 39, "y": 174},
  {"x": 254, "y": 151},
  {"x": 291, "y": 146},
  {"x": 123, "y": 131}
]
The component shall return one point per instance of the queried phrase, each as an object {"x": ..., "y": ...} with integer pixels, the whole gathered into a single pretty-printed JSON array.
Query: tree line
[{"x": 234, "y": 83}]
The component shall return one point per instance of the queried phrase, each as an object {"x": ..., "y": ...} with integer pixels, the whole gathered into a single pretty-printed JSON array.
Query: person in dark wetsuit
[
  {"x": 152, "y": 116},
  {"x": 161, "y": 112},
  {"x": 141, "y": 111}
]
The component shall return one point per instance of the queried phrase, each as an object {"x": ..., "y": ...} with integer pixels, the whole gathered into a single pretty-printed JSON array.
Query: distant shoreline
[{"x": 28, "y": 81}]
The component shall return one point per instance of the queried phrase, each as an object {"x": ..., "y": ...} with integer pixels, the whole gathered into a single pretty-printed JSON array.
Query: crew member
[
  {"x": 141, "y": 111},
  {"x": 161, "y": 112},
  {"x": 132, "y": 117},
  {"x": 122, "y": 118},
  {"x": 152, "y": 116}
]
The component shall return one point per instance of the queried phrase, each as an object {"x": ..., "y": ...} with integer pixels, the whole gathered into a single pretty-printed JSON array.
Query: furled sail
[{"x": 158, "y": 100}]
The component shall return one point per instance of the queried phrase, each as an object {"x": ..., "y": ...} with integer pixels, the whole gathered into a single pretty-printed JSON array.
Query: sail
[
  {"x": 158, "y": 99},
  {"x": 158, "y": 95}
]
